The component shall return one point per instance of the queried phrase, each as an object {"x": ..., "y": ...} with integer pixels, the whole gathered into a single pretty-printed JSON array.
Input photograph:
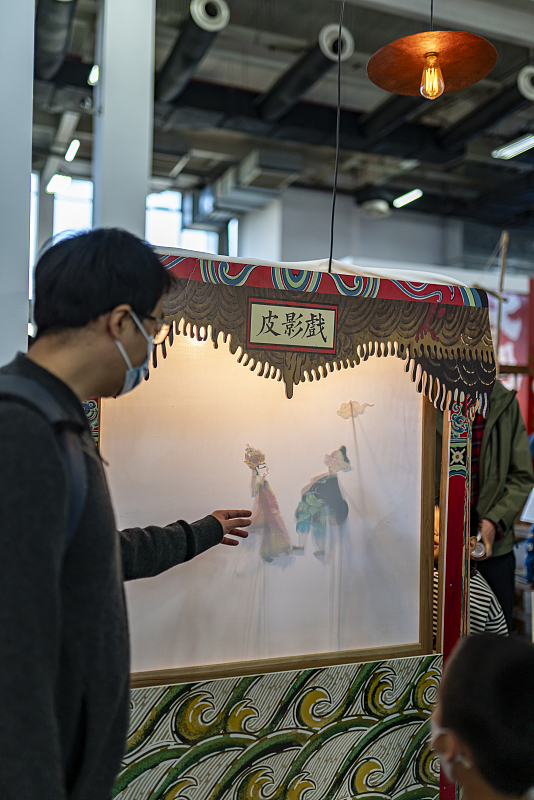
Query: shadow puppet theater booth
[{"x": 300, "y": 664}]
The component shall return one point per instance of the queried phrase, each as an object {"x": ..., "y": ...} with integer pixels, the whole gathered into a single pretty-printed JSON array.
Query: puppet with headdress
[{"x": 266, "y": 513}]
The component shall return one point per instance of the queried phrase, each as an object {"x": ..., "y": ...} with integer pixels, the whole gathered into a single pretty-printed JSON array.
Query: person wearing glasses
[
  {"x": 482, "y": 729},
  {"x": 64, "y": 658}
]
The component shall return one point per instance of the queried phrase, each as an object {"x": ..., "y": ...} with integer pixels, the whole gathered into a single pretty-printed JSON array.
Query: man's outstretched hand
[{"x": 232, "y": 522}]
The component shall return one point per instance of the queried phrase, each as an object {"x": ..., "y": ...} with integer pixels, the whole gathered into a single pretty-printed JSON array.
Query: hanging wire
[
  {"x": 431, "y": 15},
  {"x": 338, "y": 121}
]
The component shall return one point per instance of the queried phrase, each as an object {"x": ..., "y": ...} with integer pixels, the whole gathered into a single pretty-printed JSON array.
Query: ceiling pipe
[
  {"x": 53, "y": 26},
  {"x": 206, "y": 19},
  {"x": 308, "y": 69},
  {"x": 390, "y": 115},
  {"x": 497, "y": 109}
]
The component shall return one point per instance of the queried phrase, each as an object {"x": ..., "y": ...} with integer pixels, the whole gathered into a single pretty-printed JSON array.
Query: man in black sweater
[{"x": 64, "y": 659}]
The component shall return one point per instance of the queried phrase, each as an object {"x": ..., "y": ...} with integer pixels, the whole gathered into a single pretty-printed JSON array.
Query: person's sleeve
[
  {"x": 32, "y": 530},
  {"x": 519, "y": 480},
  {"x": 149, "y": 551},
  {"x": 496, "y": 621}
]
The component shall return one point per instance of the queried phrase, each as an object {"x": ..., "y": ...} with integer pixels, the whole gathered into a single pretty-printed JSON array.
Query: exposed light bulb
[{"x": 432, "y": 84}]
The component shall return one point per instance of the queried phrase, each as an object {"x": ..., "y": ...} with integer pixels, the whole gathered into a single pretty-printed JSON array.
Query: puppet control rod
[{"x": 502, "y": 247}]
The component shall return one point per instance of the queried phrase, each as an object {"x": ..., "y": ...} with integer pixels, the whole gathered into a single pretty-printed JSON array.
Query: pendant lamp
[{"x": 432, "y": 62}]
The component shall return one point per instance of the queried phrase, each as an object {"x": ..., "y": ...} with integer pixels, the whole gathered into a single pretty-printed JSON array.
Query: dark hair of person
[
  {"x": 487, "y": 700},
  {"x": 84, "y": 276},
  {"x": 343, "y": 451}
]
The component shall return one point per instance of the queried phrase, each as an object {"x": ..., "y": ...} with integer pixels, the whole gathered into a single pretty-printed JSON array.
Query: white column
[
  {"x": 260, "y": 233},
  {"x": 45, "y": 225},
  {"x": 124, "y": 99},
  {"x": 16, "y": 96}
]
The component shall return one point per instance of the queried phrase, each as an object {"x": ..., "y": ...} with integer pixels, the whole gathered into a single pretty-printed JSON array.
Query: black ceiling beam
[
  {"x": 509, "y": 206},
  {"x": 73, "y": 72},
  {"x": 312, "y": 65},
  {"x": 53, "y": 26},
  {"x": 390, "y": 115},
  {"x": 196, "y": 36},
  {"x": 507, "y": 102},
  {"x": 233, "y": 108},
  {"x": 307, "y": 123}
]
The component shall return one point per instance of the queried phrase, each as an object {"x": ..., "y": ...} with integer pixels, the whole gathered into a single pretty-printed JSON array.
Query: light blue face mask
[
  {"x": 134, "y": 375},
  {"x": 435, "y": 732}
]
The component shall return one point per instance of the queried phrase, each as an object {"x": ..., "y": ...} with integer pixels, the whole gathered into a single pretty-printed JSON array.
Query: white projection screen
[{"x": 176, "y": 450}]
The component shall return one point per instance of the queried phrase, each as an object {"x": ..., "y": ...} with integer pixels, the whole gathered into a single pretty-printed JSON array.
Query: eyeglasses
[{"x": 162, "y": 329}]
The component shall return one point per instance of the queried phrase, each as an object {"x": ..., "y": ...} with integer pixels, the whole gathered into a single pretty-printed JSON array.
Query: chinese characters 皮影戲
[{"x": 293, "y": 325}]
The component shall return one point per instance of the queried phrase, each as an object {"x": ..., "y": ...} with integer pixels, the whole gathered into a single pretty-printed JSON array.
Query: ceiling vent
[
  {"x": 267, "y": 169},
  {"x": 231, "y": 194},
  {"x": 250, "y": 186}
]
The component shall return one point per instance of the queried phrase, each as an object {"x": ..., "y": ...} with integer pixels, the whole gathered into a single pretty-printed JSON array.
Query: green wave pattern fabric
[{"x": 337, "y": 733}]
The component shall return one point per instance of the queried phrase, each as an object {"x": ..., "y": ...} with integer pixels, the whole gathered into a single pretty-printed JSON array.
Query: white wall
[
  {"x": 124, "y": 99},
  {"x": 16, "y": 91},
  {"x": 260, "y": 233},
  {"x": 405, "y": 237},
  {"x": 306, "y": 225},
  {"x": 296, "y": 227}
]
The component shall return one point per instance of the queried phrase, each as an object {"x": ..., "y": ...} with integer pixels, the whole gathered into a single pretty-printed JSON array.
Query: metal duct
[
  {"x": 312, "y": 65},
  {"x": 53, "y": 25},
  {"x": 390, "y": 115},
  {"x": 507, "y": 102},
  {"x": 206, "y": 19}
]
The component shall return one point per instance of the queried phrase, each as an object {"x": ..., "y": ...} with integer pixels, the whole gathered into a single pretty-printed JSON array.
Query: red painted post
[{"x": 456, "y": 587}]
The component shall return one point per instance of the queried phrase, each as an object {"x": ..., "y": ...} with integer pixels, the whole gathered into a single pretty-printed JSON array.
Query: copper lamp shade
[{"x": 464, "y": 59}]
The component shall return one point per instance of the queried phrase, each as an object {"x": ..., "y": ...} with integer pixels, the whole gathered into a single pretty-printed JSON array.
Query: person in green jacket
[{"x": 501, "y": 481}]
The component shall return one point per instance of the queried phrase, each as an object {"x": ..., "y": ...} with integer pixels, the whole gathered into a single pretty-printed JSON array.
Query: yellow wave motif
[
  {"x": 326, "y": 732},
  {"x": 190, "y": 722},
  {"x": 239, "y": 716},
  {"x": 364, "y": 771}
]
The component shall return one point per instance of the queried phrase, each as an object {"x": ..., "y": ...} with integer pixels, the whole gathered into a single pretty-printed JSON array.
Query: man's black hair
[
  {"x": 487, "y": 700},
  {"x": 84, "y": 276}
]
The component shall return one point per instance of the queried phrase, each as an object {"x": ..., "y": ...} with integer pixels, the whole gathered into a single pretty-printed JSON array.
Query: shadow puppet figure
[
  {"x": 322, "y": 502},
  {"x": 266, "y": 513}
]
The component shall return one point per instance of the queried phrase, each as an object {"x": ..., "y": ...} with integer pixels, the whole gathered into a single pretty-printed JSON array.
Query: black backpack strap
[{"x": 67, "y": 429}]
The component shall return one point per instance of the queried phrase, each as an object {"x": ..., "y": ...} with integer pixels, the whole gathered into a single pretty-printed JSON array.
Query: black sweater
[{"x": 64, "y": 659}]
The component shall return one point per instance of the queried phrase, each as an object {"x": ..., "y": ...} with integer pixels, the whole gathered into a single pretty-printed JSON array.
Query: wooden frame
[
  {"x": 423, "y": 647},
  {"x": 444, "y": 484}
]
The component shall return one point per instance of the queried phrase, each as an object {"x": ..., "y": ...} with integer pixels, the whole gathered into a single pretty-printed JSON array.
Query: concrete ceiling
[{"x": 214, "y": 124}]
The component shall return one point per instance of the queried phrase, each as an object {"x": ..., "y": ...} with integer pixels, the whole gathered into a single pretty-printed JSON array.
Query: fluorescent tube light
[
  {"x": 409, "y": 197},
  {"x": 72, "y": 150},
  {"x": 513, "y": 149},
  {"x": 92, "y": 80},
  {"x": 58, "y": 183}
]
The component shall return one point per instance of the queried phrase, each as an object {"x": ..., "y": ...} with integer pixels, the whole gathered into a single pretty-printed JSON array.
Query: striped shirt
[{"x": 485, "y": 612}]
